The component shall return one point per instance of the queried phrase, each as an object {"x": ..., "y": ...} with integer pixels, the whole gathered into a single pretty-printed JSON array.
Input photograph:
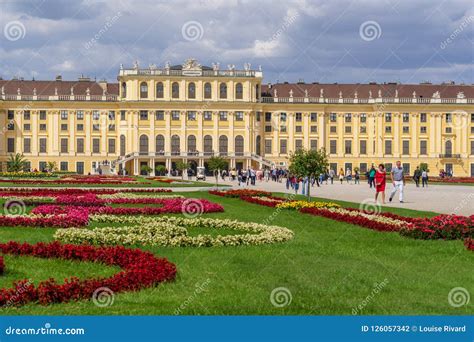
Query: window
[
  {"x": 26, "y": 115},
  {"x": 333, "y": 129},
  {"x": 388, "y": 117},
  {"x": 175, "y": 115},
  {"x": 11, "y": 115},
  {"x": 423, "y": 147},
  {"x": 388, "y": 147},
  {"x": 239, "y": 91},
  {"x": 42, "y": 127},
  {"x": 123, "y": 145},
  {"x": 388, "y": 167},
  {"x": 175, "y": 145},
  {"x": 95, "y": 115},
  {"x": 160, "y": 143},
  {"x": 258, "y": 144},
  {"x": 223, "y": 145},
  {"x": 42, "y": 166},
  {"x": 333, "y": 146},
  {"x": 258, "y": 115},
  {"x": 239, "y": 116},
  {"x": 96, "y": 145},
  {"x": 192, "y": 90},
  {"x": 64, "y": 147},
  {"x": 207, "y": 115},
  {"x": 449, "y": 118},
  {"x": 124, "y": 89},
  {"x": 298, "y": 117},
  {"x": 449, "y": 130},
  {"x": 26, "y": 127},
  {"x": 314, "y": 117},
  {"x": 239, "y": 145},
  {"x": 348, "y": 117},
  {"x": 143, "y": 90},
  {"x": 207, "y": 91},
  {"x": 64, "y": 115},
  {"x": 472, "y": 147},
  {"x": 363, "y": 168},
  {"x": 406, "y": 117},
  {"x": 268, "y": 116},
  {"x": 314, "y": 129},
  {"x": 313, "y": 144},
  {"x": 472, "y": 117},
  {"x": 80, "y": 145},
  {"x": 159, "y": 90},
  {"x": 123, "y": 115},
  {"x": 27, "y": 145},
  {"x": 112, "y": 127},
  {"x": 348, "y": 147},
  {"x": 363, "y": 129},
  {"x": 111, "y": 115},
  {"x": 191, "y": 116},
  {"x": 283, "y": 149},
  {"x": 406, "y": 168},
  {"x": 11, "y": 125},
  {"x": 223, "y": 116},
  {"x": 63, "y": 166},
  {"x": 406, "y": 129},
  {"x": 423, "y": 117},
  {"x": 42, "y": 145},
  {"x": 143, "y": 144},
  {"x": 333, "y": 117},
  {"x": 363, "y": 117},
  {"x": 80, "y": 115},
  {"x": 448, "y": 147},
  {"x": 112, "y": 145},
  {"x": 298, "y": 129},
  {"x": 96, "y": 127},
  {"x": 406, "y": 147},
  {"x": 175, "y": 90},
  {"x": 423, "y": 129},
  {"x": 348, "y": 129},
  {"x": 298, "y": 144},
  {"x": 159, "y": 115},
  {"x": 282, "y": 117},
  {"x": 363, "y": 147},
  {"x": 143, "y": 115},
  {"x": 388, "y": 129},
  {"x": 80, "y": 127},
  {"x": 282, "y": 129},
  {"x": 192, "y": 143},
  {"x": 207, "y": 144},
  {"x": 223, "y": 91},
  {"x": 268, "y": 146},
  {"x": 63, "y": 127},
  {"x": 80, "y": 168},
  {"x": 42, "y": 115}
]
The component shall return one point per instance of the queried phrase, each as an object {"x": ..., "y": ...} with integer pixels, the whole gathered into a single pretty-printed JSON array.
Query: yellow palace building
[{"x": 157, "y": 116}]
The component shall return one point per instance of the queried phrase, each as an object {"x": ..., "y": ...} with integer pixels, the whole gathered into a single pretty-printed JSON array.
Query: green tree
[
  {"x": 308, "y": 163},
  {"x": 160, "y": 170},
  {"x": 181, "y": 166},
  {"x": 215, "y": 164},
  {"x": 424, "y": 167},
  {"x": 146, "y": 169},
  {"x": 52, "y": 166},
  {"x": 16, "y": 162}
]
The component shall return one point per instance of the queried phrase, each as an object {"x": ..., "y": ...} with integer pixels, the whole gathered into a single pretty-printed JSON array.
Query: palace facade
[{"x": 157, "y": 116}]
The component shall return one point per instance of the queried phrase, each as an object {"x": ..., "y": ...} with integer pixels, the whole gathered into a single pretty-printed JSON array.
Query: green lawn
[{"x": 329, "y": 268}]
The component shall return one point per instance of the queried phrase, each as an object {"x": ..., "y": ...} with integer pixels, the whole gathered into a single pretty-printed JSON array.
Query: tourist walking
[
  {"x": 356, "y": 177},
  {"x": 332, "y": 174},
  {"x": 341, "y": 175},
  {"x": 424, "y": 178},
  {"x": 380, "y": 179},
  {"x": 398, "y": 181},
  {"x": 348, "y": 175},
  {"x": 416, "y": 176},
  {"x": 371, "y": 176}
]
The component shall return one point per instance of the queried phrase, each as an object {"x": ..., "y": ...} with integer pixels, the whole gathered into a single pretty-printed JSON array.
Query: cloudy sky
[{"x": 409, "y": 41}]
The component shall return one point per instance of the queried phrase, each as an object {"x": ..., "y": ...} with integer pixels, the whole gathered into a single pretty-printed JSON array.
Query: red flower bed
[
  {"x": 70, "y": 217},
  {"x": 2, "y": 265},
  {"x": 359, "y": 220},
  {"x": 389, "y": 215},
  {"x": 240, "y": 192},
  {"x": 446, "y": 227},
  {"x": 32, "y": 192},
  {"x": 75, "y": 179},
  {"x": 469, "y": 243},
  {"x": 460, "y": 180},
  {"x": 271, "y": 202},
  {"x": 140, "y": 270}
]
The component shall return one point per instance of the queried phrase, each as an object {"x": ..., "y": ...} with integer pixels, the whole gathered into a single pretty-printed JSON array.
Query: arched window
[
  {"x": 175, "y": 90},
  {"x": 191, "y": 144},
  {"x": 143, "y": 144},
  {"x": 223, "y": 145},
  {"x": 175, "y": 145},
  {"x": 223, "y": 91},
  {"x": 124, "y": 89},
  {"x": 192, "y": 90},
  {"x": 239, "y": 91},
  {"x": 448, "y": 147},
  {"x": 207, "y": 144},
  {"x": 123, "y": 146},
  {"x": 239, "y": 145},
  {"x": 143, "y": 90},
  {"x": 160, "y": 144},
  {"x": 207, "y": 90},
  {"x": 258, "y": 145},
  {"x": 159, "y": 90}
]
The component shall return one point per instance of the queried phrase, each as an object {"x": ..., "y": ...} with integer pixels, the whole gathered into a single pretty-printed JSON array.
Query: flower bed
[
  {"x": 35, "y": 192},
  {"x": 469, "y": 243},
  {"x": 172, "y": 231},
  {"x": 305, "y": 204},
  {"x": 68, "y": 217},
  {"x": 458, "y": 180},
  {"x": 240, "y": 192},
  {"x": 28, "y": 175},
  {"x": 2, "y": 265},
  {"x": 140, "y": 270},
  {"x": 446, "y": 227},
  {"x": 268, "y": 201}
]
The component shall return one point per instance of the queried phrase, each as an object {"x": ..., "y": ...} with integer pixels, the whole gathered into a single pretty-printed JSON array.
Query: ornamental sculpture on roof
[{"x": 191, "y": 64}]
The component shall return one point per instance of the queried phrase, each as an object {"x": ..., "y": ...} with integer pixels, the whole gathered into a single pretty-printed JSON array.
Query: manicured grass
[{"x": 329, "y": 268}]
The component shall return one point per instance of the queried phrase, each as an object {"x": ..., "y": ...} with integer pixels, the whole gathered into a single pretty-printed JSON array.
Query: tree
[
  {"x": 424, "y": 167},
  {"x": 146, "y": 169},
  {"x": 308, "y": 163},
  {"x": 52, "y": 166},
  {"x": 16, "y": 162},
  {"x": 181, "y": 166},
  {"x": 160, "y": 170},
  {"x": 215, "y": 164}
]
